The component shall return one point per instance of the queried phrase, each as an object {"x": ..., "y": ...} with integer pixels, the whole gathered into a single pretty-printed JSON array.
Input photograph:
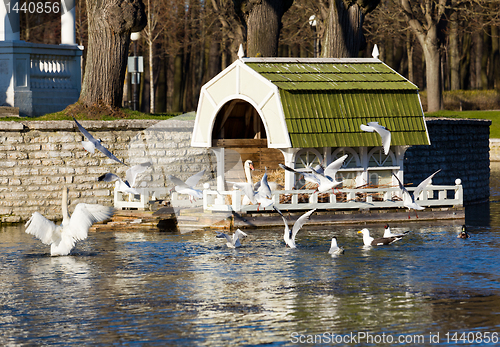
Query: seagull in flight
[
  {"x": 409, "y": 199},
  {"x": 261, "y": 196},
  {"x": 62, "y": 238},
  {"x": 131, "y": 174},
  {"x": 289, "y": 235},
  {"x": 92, "y": 144},
  {"x": 384, "y": 133},
  {"x": 187, "y": 187},
  {"x": 325, "y": 181},
  {"x": 232, "y": 242}
]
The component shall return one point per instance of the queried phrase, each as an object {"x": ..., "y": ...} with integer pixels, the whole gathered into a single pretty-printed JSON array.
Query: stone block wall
[
  {"x": 460, "y": 148},
  {"x": 39, "y": 158}
]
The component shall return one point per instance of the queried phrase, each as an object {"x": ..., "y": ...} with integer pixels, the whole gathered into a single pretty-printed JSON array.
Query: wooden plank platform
[{"x": 168, "y": 219}]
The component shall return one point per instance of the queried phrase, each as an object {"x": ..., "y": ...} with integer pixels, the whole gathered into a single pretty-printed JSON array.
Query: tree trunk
[
  {"x": 343, "y": 36},
  {"x": 110, "y": 23},
  {"x": 433, "y": 73},
  {"x": 478, "y": 41},
  {"x": 263, "y": 19},
  {"x": 495, "y": 56},
  {"x": 427, "y": 35},
  {"x": 454, "y": 51},
  {"x": 151, "y": 80}
]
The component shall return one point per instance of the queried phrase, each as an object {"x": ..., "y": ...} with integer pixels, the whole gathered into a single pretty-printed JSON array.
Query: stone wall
[
  {"x": 460, "y": 148},
  {"x": 38, "y": 158}
]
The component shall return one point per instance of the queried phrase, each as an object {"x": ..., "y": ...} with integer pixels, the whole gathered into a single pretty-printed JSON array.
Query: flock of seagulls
[{"x": 62, "y": 238}]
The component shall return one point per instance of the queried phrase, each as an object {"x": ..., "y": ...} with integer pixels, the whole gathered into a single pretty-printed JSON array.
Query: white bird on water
[
  {"x": 92, "y": 144},
  {"x": 187, "y": 187},
  {"x": 409, "y": 200},
  {"x": 388, "y": 232},
  {"x": 232, "y": 242},
  {"x": 127, "y": 186},
  {"x": 334, "y": 248},
  {"x": 62, "y": 238},
  {"x": 381, "y": 241},
  {"x": 324, "y": 181},
  {"x": 384, "y": 133},
  {"x": 289, "y": 235}
]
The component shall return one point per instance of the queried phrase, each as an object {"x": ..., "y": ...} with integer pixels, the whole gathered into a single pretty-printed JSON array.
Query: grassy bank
[{"x": 494, "y": 116}]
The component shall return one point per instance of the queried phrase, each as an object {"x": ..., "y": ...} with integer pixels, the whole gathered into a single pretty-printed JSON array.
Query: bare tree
[
  {"x": 424, "y": 18},
  {"x": 110, "y": 23},
  {"x": 151, "y": 32}
]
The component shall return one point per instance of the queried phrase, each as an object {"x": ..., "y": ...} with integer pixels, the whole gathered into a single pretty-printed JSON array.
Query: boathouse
[{"x": 308, "y": 111}]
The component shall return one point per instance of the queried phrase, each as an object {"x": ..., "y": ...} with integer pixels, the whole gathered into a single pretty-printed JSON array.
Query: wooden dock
[{"x": 168, "y": 219}]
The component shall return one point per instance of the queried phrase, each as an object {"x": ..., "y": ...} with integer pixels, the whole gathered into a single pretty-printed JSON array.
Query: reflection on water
[{"x": 190, "y": 289}]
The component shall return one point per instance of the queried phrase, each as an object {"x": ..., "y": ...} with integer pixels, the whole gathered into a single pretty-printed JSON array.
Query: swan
[
  {"x": 248, "y": 166},
  {"x": 62, "y": 238},
  {"x": 388, "y": 233},
  {"x": 409, "y": 199},
  {"x": 334, "y": 248},
  {"x": 131, "y": 174},
  {"x": 324, "y": 181},
  {"x": 92, "y": 144},
  {"x": 187, "y": 187},
  {"x": 384, "y": 133},
  {"x": 370, "y": 241},
  {"x": 289, "y": 236},
  {"x": 232, "y": 242}
]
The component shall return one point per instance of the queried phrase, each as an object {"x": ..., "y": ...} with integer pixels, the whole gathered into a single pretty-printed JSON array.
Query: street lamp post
[
  {"x": 312, "y": 23},
  {"x": 135, "y": 67}
]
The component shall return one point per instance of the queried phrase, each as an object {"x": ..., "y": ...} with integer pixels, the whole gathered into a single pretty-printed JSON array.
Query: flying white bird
[
  {"x": 409, "y": 199},
  {"x": 62, "y": 238},
  {"x": 384, "y": 133},
  {"x": 187, "y": 187},
  {"x": 334, "y": 248},
  {"x": 381, "y": 241},
  {"x": 289, "y": 235},
  {"x": 232, "y": 242},
  {"x": 261, "y": 196},
  {"x": 127, "y": 186},
  {"x": 388, "y": 233},
  {"x": 324, "y": 181},
  {"x": 92, "y": 143}
]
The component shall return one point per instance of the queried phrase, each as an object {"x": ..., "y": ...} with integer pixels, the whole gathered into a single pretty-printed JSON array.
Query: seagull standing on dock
[
  {"x": 232, "y": 242},
  {"x": 62, "y": 238},
  {"x": 334, "y": 248},
  {"x": 381, "y": 241},
  {"x": 324, "y": 181},
  {"x": 409, "y": 200},
  {"x": 187, "y": 187},
  {"x": 92, "y": 144},
  {"x": 289, "y": 235},
  {"x": 127, "y": 186},
  {"x": 384, "y": 133}
]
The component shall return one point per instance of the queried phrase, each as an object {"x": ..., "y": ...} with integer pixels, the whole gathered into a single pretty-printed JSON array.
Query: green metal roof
[{"x": 325, "y": 102}]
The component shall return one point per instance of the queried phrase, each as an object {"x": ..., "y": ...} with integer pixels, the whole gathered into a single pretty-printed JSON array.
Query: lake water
[{"x": 134, "y": 288}]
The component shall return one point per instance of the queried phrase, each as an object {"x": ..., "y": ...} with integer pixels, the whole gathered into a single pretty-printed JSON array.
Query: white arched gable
[{"x": 238, "y": 81}]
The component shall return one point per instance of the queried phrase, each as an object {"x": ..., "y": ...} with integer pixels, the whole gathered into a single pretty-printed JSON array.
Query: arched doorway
[{"x": 239, "y": 130}]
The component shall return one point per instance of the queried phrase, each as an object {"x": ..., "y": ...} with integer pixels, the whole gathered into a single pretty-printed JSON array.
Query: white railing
[
  {"x": 52, "y": 71},
  {"x": 364, "y": 198},
  {"x": 348, "y": 199}
]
